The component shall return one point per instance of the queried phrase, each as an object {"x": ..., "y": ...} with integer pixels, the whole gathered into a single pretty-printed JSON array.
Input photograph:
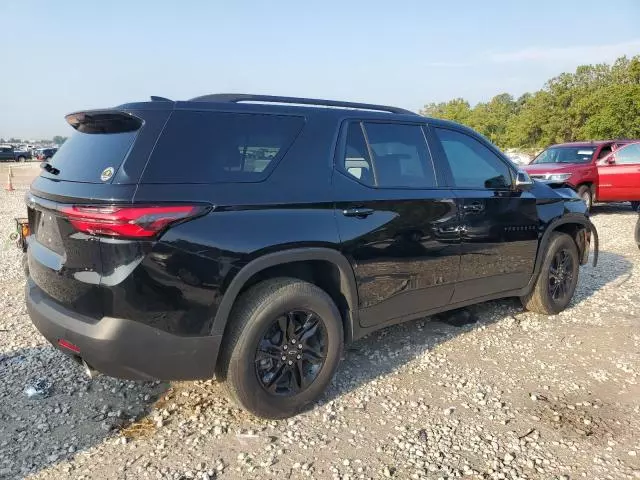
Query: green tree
[
  {"x": 456, "y": 110},
  {"x": 616, "y": 113},
  {"x": 595, "y": 101},
  {"x": 58, "y": 140}
]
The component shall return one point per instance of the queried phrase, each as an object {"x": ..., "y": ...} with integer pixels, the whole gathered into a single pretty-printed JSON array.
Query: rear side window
[
  {"x": 356, "y": 160},
  {"x": 472, "y": 164},
  {"x": 400, "y": 155},
  {"x": 214, "y": 147}
]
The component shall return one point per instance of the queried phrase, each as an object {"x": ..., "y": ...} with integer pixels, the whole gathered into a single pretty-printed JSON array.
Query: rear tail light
[{"x": 128, "y": 221}]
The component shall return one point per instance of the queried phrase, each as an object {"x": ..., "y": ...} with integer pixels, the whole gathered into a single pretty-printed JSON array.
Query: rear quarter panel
[
  {"x": 187, "y": 272},
  {"x": 193, "y": 263}
]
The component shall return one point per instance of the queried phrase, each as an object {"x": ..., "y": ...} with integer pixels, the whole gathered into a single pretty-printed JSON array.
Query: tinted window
[
  {"x": 213, "y": 147},
  {"x": 84, "y": 156},
  {"x": 400, "y": 155},
  {"x": 472, "y": 164},
  {"x": 628, "y": 154},
  {"x": 356, "y": 159}
]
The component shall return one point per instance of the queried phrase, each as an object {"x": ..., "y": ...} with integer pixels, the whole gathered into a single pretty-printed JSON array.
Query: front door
[
  {"x": 499, "y": 226},
  {"x": 398, "y": 228},
  {"x": 619, "y": 175}
]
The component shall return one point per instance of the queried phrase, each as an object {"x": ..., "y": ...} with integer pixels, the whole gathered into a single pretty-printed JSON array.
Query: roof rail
[{"x": 244, "y": 97}]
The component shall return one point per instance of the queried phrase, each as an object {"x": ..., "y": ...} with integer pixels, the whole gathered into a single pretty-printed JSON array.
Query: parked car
[
  {"x": 580, "y": 166},
  {"x": 23, "y": 153},
  {"x": 45, "y": 154},
  {"x": 165, "y": 254},
  {"x": 518, "y": 156},
  {"x": 8, "y": 153}
]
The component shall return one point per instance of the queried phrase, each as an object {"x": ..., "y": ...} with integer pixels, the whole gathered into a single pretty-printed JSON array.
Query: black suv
[{"x": 251, "y": 237}]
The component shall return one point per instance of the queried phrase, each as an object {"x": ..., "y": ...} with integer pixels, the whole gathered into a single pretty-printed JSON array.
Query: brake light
[{"x": 127, "y": 221}]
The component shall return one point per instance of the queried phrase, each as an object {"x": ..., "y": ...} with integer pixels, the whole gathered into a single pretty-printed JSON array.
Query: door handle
[
  {"x": 357, "y": 212},
  {"x": 474, "y": 207}
]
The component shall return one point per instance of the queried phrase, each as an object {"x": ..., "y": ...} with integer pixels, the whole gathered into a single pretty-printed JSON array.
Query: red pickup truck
[{"x": 603, "y": 171}]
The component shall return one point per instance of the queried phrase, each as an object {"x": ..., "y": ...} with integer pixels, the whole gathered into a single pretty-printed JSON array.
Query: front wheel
[
  {"x": 557, "y": 279},
  {"x": 282, "y": 349},
  {"x": 21, "y": 159},
  {"x": 584, "y": 192}
]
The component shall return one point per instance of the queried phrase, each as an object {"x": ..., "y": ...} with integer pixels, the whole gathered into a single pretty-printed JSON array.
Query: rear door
[
  {"x": 499, "y": 226},
  {"x": 619, "y": 174},
  {"x": 398, "y": 227},
  {"x": 65, "y": 263}
]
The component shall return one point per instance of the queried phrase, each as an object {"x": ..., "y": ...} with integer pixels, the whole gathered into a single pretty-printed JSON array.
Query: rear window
[
  {"x": 100, "y": 143},
  {"x": 214, "y": 147}
]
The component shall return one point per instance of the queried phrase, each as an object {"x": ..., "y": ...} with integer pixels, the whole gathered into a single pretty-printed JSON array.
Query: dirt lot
[
  {"x": 515, "y": 395},
  {"x": 21, "y": 173}
]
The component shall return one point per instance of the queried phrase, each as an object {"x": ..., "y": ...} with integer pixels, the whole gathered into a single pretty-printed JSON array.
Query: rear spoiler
[{"x": 103, "y": 121}]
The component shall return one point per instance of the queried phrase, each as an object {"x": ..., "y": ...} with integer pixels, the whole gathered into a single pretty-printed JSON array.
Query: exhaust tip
[{"x": 91, "y": 372}]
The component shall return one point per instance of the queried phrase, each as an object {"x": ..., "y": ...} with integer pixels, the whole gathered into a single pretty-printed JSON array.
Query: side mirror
[{"x": 523, "y": 181}]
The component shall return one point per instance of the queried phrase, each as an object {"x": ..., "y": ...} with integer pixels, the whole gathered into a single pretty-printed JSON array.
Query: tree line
[
  {"x": 57, "y": 140},
  {"x": 599, "y": 101}
]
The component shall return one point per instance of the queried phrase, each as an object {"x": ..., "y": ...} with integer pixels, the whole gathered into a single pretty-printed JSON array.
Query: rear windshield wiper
[{"x": 49, "y": 168}]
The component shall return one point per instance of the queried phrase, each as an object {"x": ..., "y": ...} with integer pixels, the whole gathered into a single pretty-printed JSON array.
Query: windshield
[{"x": 565, "y": 155}]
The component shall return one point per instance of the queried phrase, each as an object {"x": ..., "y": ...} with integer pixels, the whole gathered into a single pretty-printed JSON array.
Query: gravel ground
[{"x": 514, "y": 395}]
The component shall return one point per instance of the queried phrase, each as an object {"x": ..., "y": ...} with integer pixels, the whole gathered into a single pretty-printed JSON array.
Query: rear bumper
[{"x": 123, "y": 348}]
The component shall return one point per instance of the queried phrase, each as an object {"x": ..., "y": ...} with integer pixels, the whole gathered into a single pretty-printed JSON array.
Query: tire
[
  {"x": 584, "y": 192},
  {"x": 21, "y": 159},
  {"x": 635, "y": 206},
  {"x": 254, "y": 316},
  {"x": 541, "y": 299}
]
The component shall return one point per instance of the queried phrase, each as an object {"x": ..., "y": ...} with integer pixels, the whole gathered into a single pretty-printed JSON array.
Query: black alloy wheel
[
  {"x": 281, "y": 348},
  {"x": 291, "y": 353},
  {"x": 561, "y": 275},
  {"x": 558, "y": 277}
]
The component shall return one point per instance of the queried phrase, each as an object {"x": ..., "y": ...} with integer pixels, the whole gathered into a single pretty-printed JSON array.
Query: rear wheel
[
  {"x": 557, "y": 279},
  {"x": 282, "y": 349},
  {"x": 635, "y": 206},
  {"x": 584, "y": 192},
  {"x": 21, "y": 159}
]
